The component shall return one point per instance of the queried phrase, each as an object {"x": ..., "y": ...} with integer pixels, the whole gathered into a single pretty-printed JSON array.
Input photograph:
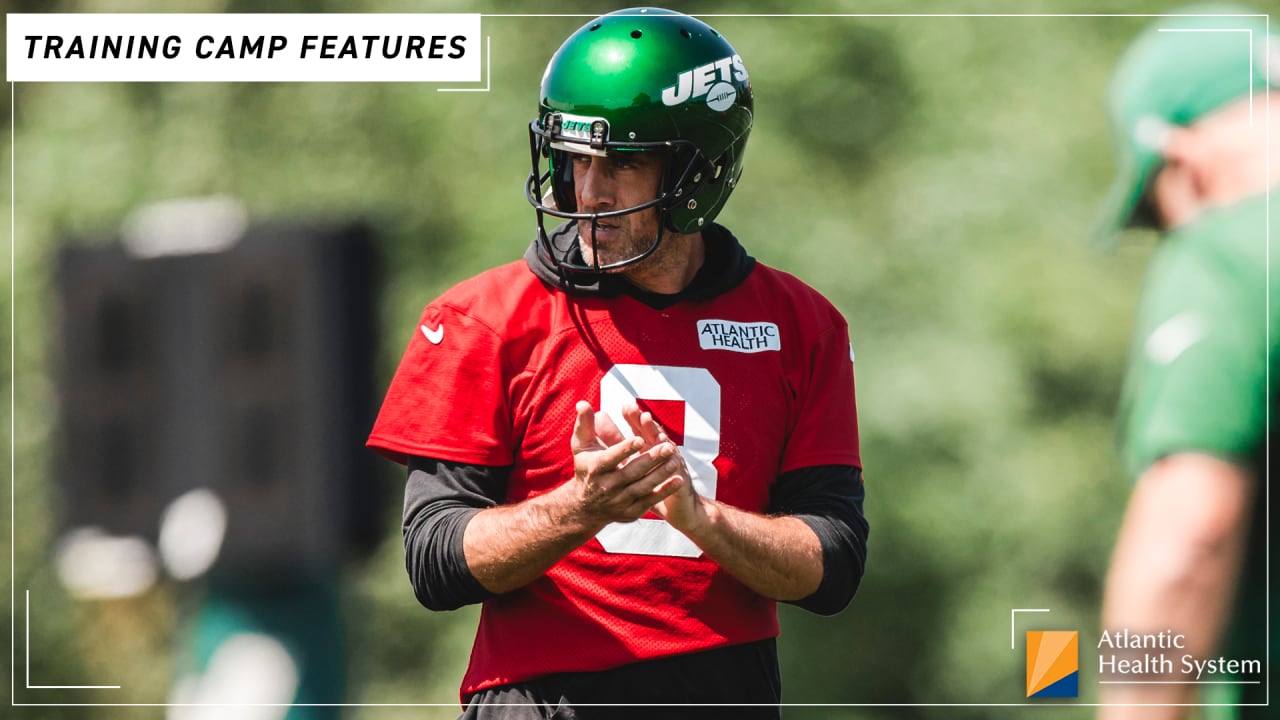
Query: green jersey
[
  {"x": 1198, "y": 368},
  {"x": 1205, "y": 344}
]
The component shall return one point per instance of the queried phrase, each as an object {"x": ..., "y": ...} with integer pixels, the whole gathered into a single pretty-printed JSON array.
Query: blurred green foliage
[{"x": 936, "y": 177}]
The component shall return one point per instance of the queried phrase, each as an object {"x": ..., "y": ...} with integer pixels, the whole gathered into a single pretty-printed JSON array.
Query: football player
[
  {"x": 1189, "y": 107},
  {"x": 632, "y": 443}
]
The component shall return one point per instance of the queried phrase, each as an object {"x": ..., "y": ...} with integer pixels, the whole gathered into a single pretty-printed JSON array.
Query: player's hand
[
  {"x": 616, "y": 479},
  {"x": 683, "y": 508}
]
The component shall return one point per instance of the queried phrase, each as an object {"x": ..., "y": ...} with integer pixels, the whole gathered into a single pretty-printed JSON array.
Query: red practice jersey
[{"x": 750, "y": 384}]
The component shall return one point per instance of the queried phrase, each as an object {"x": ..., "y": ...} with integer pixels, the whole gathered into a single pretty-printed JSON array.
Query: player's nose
[{"x": 595, "y": 185}]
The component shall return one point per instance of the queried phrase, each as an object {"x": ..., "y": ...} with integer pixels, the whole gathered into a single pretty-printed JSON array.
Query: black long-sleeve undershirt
[{"x": 441, "y": 497}]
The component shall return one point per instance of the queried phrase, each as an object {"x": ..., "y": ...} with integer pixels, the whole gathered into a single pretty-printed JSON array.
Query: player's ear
[
  {"x": 1180, "y": 146},
  {"x": 1177, "y": 192}
]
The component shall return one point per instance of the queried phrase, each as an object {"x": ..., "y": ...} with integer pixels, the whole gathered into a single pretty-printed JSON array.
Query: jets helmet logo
[{"x": 714, "y": 81}]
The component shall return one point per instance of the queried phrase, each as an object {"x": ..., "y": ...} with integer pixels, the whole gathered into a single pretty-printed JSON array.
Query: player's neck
[{"x": 672, "y": 267}]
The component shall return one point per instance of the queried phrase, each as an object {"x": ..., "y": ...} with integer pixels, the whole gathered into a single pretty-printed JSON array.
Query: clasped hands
[{"x": 619, "y": 479}]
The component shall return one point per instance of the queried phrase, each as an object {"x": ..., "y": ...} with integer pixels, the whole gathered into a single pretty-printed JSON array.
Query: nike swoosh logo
[
  {"x": 435, "y": 336},
  {"x": 1175, "y": 336}
]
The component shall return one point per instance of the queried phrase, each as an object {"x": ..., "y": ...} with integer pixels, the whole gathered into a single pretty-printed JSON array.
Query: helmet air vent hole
[
  {"x": 687, "y": 35},
  {"x": 713, "y": 32},
  {"x": 594, "y": 27},
  {"x": 636, "y": 33}
]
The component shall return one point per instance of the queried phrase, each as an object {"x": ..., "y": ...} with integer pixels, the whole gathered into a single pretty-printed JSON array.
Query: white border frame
[{"x": 13, "y": 396}]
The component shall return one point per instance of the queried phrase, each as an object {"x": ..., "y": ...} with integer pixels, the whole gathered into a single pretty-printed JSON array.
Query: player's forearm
[
  {"x": 777, "y": 557},
  {"x": 1147, "y": 598},
  {"x": 1175, "y": 568},
  {"x": 509, "y": 546},
  {"x": 1143, "y": 597}
]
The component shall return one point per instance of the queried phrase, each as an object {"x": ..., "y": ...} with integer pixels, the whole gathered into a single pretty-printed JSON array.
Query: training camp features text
[{"x": 233, "y": 47}]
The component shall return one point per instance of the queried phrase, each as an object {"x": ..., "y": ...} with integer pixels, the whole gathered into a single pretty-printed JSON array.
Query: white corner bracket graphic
[
  {"x": 28, "y": 663},
  {"x": 1013, "y": 619},
  {"x": 488, "y": 73}
]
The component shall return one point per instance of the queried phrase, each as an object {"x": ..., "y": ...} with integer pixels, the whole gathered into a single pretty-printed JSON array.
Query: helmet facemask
[{"x": 684, "y": 170}]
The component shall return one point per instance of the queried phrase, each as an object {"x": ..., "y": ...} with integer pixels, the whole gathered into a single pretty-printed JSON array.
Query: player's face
[
  {"x": 1212, "y": 163},
  {"x": 619, "y": 181}
]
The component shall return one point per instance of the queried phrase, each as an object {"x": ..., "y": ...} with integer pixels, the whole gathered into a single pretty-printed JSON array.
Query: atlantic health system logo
[{"x": 1053, "y": 663}]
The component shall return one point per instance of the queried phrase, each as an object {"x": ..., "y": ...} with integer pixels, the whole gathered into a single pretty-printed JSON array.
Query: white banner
[{"x": 247, "y": 47}]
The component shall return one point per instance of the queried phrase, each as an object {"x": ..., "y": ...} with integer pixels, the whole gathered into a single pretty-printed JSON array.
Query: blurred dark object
[{"x": 240, "y": 372}]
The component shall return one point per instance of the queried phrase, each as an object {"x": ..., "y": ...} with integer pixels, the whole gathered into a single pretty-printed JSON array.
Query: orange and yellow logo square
[{"x": 1053, "y": 663}]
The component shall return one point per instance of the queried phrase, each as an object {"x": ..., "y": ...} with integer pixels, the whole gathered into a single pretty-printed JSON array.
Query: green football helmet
[{"x": 637, "y": 80}]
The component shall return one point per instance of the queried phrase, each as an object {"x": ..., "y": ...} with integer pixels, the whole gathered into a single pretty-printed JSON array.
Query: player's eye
[{"x": 623, "y": 161}]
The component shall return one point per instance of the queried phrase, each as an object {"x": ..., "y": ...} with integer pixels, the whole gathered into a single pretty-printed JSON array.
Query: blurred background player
[
  {"x": 1192, "y": 116},
  {"x": 636, "y": 554}
]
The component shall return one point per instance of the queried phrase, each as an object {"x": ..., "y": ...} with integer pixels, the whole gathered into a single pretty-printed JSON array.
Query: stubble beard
[{"x": 619, "y": 248}]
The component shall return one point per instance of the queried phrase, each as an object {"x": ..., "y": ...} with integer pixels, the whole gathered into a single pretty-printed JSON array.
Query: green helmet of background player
[{"x": 643, "y": 79}]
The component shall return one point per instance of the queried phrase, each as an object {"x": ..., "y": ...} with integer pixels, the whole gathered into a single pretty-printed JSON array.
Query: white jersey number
[{"x": 700, "y": 393}]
